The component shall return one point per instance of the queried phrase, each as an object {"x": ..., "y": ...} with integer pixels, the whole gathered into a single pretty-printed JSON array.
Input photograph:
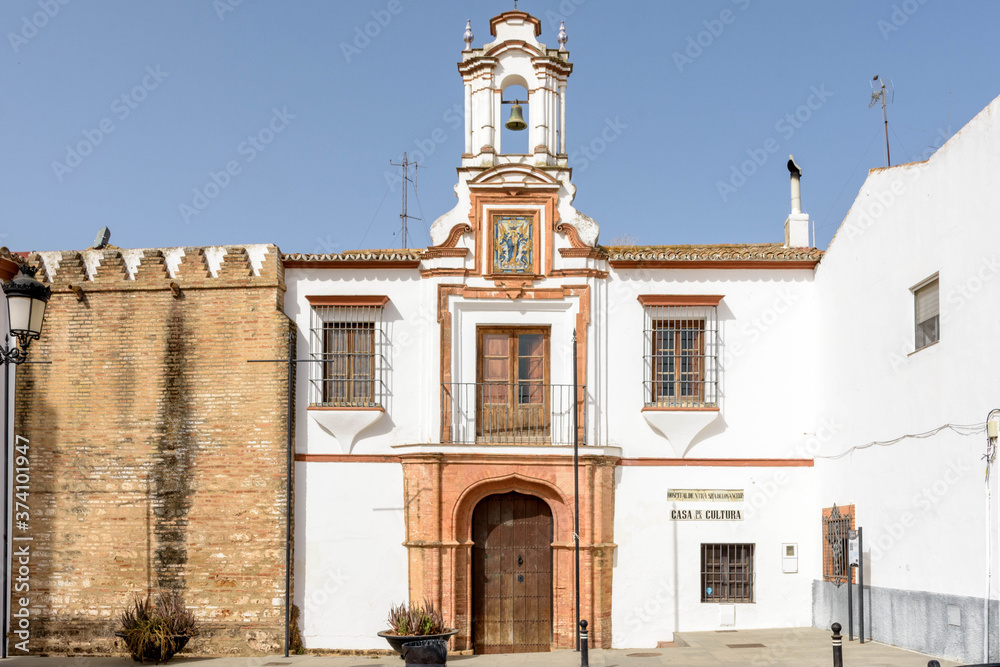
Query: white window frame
[{"x": 926, "y": 315}]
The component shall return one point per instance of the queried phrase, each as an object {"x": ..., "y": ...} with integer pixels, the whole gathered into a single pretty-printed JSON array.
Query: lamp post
[{"x": 26, "y": 299}]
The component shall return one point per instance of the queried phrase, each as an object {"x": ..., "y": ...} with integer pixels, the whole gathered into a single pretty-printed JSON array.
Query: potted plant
[
  {"x": 156, "y": 628},
  {"x": 415, "y": 622}
]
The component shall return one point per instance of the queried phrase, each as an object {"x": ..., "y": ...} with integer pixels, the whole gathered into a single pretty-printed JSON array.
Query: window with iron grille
[
  {"x": 837, "y": 524},
  {"x": 683, "y": 346},
  {"x": 926, "y": 313},
  {"x": 348, "y": 335},
  {"x": 727, "y": 573}
]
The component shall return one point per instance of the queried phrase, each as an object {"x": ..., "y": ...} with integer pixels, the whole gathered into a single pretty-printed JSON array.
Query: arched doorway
[{"x": 511, "y": 574}]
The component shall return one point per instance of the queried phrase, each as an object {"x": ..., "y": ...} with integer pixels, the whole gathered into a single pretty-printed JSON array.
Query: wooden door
[
  {"x": 511, "y": 575},
  {"x": 513, "y": 390}
]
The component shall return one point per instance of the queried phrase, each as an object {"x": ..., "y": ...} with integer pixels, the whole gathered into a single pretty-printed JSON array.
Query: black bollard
[
  {"x": 933, "y": 663},
  {"x": 584, "y": 658},
  {"x": 838, "y": 648}
]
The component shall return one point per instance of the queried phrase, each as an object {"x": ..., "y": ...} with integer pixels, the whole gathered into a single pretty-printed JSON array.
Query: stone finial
[
  {"x": 468, "y": 37},
  {"x": 563, "y": 37}
]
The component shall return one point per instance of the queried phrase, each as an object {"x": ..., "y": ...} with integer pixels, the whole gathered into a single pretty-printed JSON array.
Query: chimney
[{"x": 797, "y": 224}]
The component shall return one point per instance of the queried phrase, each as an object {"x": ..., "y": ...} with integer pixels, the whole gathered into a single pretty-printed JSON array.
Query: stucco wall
[
  {"x": 657, "y": 585},
  {"x": 767, "y": 318},
  {"x": 922, "y": 503},
  {"x": 350, "y": 562}
]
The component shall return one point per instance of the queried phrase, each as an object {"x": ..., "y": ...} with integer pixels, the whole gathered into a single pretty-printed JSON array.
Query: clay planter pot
[{"x": 397, "y": 641}]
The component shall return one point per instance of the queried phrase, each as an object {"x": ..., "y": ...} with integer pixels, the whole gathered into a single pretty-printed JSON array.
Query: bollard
[
  {"x": 838, "y": 648},
  {"x": 584, "y": 658}
]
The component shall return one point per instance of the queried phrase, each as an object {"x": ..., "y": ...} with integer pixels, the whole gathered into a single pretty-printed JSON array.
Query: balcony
[{"x": 523, "y": 413}]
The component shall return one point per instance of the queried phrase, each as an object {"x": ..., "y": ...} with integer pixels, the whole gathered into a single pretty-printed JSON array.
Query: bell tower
[
  {"x": 500, "y": 191},
  {"x": 515, "y": 58}
]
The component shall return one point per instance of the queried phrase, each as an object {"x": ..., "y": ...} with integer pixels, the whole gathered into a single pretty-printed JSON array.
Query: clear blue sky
[{"x": 161, "y": 94}]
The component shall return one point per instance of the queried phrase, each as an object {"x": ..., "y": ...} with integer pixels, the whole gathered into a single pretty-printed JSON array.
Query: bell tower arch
[
  {"x": 528, "y": 179},
  {"x": 515, "y": 58}
]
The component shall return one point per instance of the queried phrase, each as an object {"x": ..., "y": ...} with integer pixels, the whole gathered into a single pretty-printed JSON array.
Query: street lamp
[{"x": 26, "y": 300}]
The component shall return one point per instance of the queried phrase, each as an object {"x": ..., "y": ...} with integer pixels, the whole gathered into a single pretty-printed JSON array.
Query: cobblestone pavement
[{"x": 797, "y": 647}]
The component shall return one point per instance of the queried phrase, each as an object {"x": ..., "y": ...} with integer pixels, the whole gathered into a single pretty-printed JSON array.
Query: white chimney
[{"x": 797, "y": 224}]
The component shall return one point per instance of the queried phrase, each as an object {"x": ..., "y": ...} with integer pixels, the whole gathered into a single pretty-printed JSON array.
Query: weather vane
[{"x": 515, "y": 5}]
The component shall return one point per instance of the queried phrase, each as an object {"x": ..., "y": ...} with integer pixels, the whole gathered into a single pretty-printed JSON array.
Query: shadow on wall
[
  {"x": 170, "y": 472},
  {"x": 29, "y": 585}
]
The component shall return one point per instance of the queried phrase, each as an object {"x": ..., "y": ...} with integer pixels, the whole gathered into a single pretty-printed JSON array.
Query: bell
[{"x": 516, "y": 122}]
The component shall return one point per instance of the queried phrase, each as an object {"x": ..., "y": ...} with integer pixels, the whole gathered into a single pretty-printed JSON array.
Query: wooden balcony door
[
  {"x": 513, "y": 391},
  {"x": 512, "y": 574}
]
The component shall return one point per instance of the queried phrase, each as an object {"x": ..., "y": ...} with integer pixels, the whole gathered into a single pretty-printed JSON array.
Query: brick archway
[
  {"x": 561, "y": 505},
  {"x": 442, "y": 491}
]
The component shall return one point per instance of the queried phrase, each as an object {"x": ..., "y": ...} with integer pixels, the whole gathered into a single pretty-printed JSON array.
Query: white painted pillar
[
  {"x": 468, "y": 117},
  {"x": 477, "y": 118},
  {"x": 537, "y": 119},
  {"x": 550, "y": 128},
  {"x": 497, "y": 102},
  {"x": 544, "y": 94},
  {"x": 553, "y": 118},
  {"x": 562, "y": 120},
  {"x": 488, "y": 93}
]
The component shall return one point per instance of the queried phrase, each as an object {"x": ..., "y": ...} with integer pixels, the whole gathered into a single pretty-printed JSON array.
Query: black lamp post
[{"x": 26, "y": 299}]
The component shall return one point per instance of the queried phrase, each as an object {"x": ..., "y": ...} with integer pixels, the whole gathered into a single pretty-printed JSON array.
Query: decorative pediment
[{"x": 514, "y": 179}]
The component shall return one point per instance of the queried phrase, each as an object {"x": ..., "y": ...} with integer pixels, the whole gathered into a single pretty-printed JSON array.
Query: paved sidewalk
[{"x": 799, "y": 647}]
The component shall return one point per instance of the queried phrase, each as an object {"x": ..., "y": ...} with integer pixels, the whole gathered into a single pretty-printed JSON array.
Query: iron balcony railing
[{"x": 519, "y": 413}]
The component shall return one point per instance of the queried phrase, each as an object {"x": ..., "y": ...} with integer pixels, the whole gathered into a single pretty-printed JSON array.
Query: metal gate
[
  {"x": 512, "y": 575},
  {"x": 836, "y": 527}
]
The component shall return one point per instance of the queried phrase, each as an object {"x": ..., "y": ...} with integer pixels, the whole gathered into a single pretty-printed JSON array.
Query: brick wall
[{"x": 157, "y": 453}]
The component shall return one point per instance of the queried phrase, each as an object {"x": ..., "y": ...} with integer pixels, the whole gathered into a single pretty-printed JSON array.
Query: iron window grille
[
  {"x": 926, "y": 314},
  {"x": 837, "y": 524},
  {"x": 683, "y": 346},
  {"x": 727, "y": 573},
  {"x": 352, "y": 343}
]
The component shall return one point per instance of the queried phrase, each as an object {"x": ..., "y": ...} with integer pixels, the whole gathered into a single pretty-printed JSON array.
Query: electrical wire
[
  {"x": 423, "y": 218},
  {"x": 387, "y": 189},
  {"x": 990, "y": 457},
  {"x": 961, "y": 429},
  {"x": 900, "y": 142},
  {"x": 849, "y": 179},
  {"x": 991, "y": 447}
]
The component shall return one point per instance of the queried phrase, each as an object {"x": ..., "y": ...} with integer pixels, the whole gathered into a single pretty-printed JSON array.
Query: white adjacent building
[{"x": 709, "y": 390}]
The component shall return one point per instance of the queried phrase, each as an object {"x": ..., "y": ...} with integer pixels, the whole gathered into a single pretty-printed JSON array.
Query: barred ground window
[
  {"x": 837, "y": 523},
  {"x": 727, "y": 573},
  {"x": 348, "y": 335},
  {"x": 682, "y": 352},
  {"x": 926, "y": 313}
]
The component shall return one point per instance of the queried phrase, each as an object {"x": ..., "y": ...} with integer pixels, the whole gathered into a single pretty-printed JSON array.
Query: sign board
[
  {"x": 852, "y": 548},
  {"x": 706, "y": 515},
  {"x": 706, "y": 495}
]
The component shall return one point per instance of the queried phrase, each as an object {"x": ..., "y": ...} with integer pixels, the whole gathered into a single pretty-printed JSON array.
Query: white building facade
[
  {"x": 702, "y": 385},
  {"x": 914, "y": 264}
]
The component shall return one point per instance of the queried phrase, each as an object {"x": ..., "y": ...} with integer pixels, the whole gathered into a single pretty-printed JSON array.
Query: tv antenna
[
  {"x": 404, "y": 217},
  {"x": 885, "y": 95}
]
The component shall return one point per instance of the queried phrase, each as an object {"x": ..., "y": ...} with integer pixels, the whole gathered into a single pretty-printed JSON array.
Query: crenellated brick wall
[{"x": 157, "y": 453}]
